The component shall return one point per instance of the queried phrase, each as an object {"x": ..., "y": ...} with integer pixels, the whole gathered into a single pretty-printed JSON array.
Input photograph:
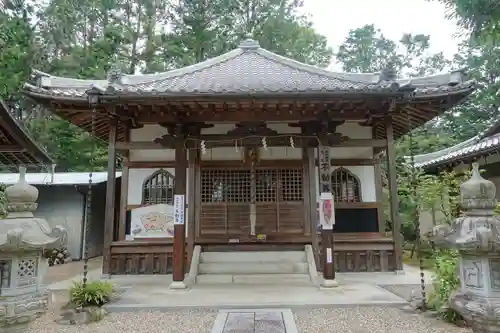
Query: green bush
[
  {"x": 96, "y": 293},
  {"x": 445, "y": 281}
]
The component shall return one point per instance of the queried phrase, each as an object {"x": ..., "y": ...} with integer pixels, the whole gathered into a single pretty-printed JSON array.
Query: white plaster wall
[{"x": 152, "y": 131}]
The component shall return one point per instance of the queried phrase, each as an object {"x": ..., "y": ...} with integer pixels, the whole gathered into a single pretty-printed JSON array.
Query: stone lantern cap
[
  {"x": 477, "y": 193},
  {"x": 478, "y": 230},
  {"x": 20, "y": 230}
]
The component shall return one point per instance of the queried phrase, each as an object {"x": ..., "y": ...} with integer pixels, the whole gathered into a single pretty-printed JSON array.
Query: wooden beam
[
  {"x": 393, "y": 190},
  {"x": 12, "y": 149},
  {"x": 325, "y": 186},
  {"x": 180, "y": 229},
  {"x": 312, "y": 193},
  {"x": 249, "y": 115},
  {"x": 193, "y": 161},
  {"x": 109, "y": 220},
  {"x": 124, "y": 191},
  {"x": 148, "y": 164},
  {"x": 379, "y": 196},
  {"x": 282, "y": 141}
]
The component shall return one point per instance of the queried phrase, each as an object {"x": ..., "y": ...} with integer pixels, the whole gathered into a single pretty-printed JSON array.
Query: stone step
[
  {"x": 253, "y": 256},
  {"x": 253, "y": 268},
  {"x": 278, "y": 279}
]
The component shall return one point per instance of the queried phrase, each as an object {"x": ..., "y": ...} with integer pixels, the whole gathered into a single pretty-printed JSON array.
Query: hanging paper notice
[
  {"x": 179, "y": 209},
  {"x": 326, "y": 211},
  {"x": 329, "y": 257}
]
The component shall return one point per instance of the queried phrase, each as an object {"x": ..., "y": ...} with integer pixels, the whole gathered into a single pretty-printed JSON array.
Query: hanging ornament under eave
[
  {"x": 203, "y": 147},
  {"x": 292, "y": 143},
  {"x": 264, "y": 143}
]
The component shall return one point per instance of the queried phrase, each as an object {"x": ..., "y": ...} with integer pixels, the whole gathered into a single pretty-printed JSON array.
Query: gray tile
[
  {"x": 240, "y": 322},
  {"x": 268, "y": 315}
]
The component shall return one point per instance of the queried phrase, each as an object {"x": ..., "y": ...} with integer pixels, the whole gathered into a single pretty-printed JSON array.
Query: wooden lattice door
[{"x": 227, "y": 196}]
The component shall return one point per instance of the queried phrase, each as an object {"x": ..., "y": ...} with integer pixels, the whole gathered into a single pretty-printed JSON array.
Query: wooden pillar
[
  {"x": 193, "y": 159},
  {"x": 325, "y": 186},
  {"x": 310, "y": 200},
  {"x": 379, "y": 191},
  {"x": 109, "y": 219},
  {"x": 181, "y": 165},
  {"x": 124, "y": 190},
  {"x": 393, "y": 189}
]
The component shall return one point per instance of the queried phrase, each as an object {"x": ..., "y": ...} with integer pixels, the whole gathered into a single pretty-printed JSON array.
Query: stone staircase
[{"x": 254, "y": 267}]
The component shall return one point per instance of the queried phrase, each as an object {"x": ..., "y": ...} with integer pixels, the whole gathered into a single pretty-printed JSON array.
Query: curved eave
[
  {"x": 16, "y": 145},
  {"x": 434, "y": 100},
  {"x": 459, "y": 159},
  {"x": 41, "y": 94}
]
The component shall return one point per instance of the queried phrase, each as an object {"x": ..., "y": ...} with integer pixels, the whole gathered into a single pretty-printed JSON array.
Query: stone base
[
  {"x": 81, "y": 316},
  {"x": 400, "y": 272},
  {"x": 482, "y": 313},
  {"x": 17, "y": 312},
  {"x": 329, "y": 283},
  {"x": 178, "y": 285}
]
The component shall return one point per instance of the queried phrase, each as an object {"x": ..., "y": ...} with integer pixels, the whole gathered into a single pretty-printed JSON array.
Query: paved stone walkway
[
  {"x": 60, "y": 273},
  {"x": 255, "y": 321}
]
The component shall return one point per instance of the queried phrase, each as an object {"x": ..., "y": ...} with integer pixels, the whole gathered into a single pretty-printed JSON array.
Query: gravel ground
[
  {"x": 369, "y": 320},
  {"x": 331, "y": 320},
  {"x": 186, "y": 321}
]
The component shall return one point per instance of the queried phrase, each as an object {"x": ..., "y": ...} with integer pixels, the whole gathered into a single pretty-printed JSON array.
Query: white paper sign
[
  {"x": 329, "y": 257},
  {"x": 326, "y": 211},
  {"x": 152, "y": 221},
  {"x": 179, "y": 209}
]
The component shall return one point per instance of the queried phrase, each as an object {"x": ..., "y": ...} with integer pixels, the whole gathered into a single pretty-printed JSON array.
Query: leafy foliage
[
  {"x": 95, "y": 293},
  {"x": 445, "y": 281}
]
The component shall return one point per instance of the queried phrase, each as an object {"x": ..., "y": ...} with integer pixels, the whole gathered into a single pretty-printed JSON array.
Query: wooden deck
[{"x": 353, "y": 252}]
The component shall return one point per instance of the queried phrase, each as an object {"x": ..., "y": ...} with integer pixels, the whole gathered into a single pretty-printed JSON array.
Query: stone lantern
[
  {"x": 22, "y": 266},
  {"x": 476, "y": 235}
]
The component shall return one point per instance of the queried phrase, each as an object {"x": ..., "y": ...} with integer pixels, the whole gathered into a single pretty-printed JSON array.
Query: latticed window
[
  {"x": 345, "y": 186},
  {"x": 225, "y": 185},
  {"x": 158, "y": 188}
]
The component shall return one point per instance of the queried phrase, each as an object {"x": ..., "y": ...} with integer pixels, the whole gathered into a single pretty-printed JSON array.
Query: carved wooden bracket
[
  {"x": 180, "y": 131},
  {"x": 252, "y": 129},
  {"x": 317, "y": 127}
]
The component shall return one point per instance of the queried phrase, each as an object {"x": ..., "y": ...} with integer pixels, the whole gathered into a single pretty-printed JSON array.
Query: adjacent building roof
[
  {"x": 16, "y": 145},
  {"x": 479, "y": 145},
  {"x": 57, "y": 178},
  {"x": 247, "y": 69}
]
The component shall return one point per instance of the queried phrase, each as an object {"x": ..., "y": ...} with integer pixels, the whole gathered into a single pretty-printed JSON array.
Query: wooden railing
[
  {"x": 362, "y": 252},
  {"x": 141, "y": 257}
]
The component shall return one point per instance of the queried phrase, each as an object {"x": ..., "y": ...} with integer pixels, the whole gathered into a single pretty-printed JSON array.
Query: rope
[
  {"x": 88, "y": 219},
  {"x": 414, "y": 184}
]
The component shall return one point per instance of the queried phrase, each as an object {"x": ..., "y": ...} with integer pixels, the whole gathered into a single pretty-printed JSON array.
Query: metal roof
[
  {"x": 247, "y": 69},
  {"x": 57, "y": 178},
  {"x": 16, "y": 145},
  {"x": 478, "y": 145}
]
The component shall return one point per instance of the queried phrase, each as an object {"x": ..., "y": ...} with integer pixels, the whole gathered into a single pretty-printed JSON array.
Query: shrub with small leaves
[
  {"x": 445, "y": 281},
  {"x": 96, "y": 293}
]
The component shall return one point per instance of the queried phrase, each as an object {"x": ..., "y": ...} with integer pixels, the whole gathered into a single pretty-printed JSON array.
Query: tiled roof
[
  {"x": 480, "y": 144},
  {"x": 16, "y": 146},
  {"x": 247, "y": 69}
]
